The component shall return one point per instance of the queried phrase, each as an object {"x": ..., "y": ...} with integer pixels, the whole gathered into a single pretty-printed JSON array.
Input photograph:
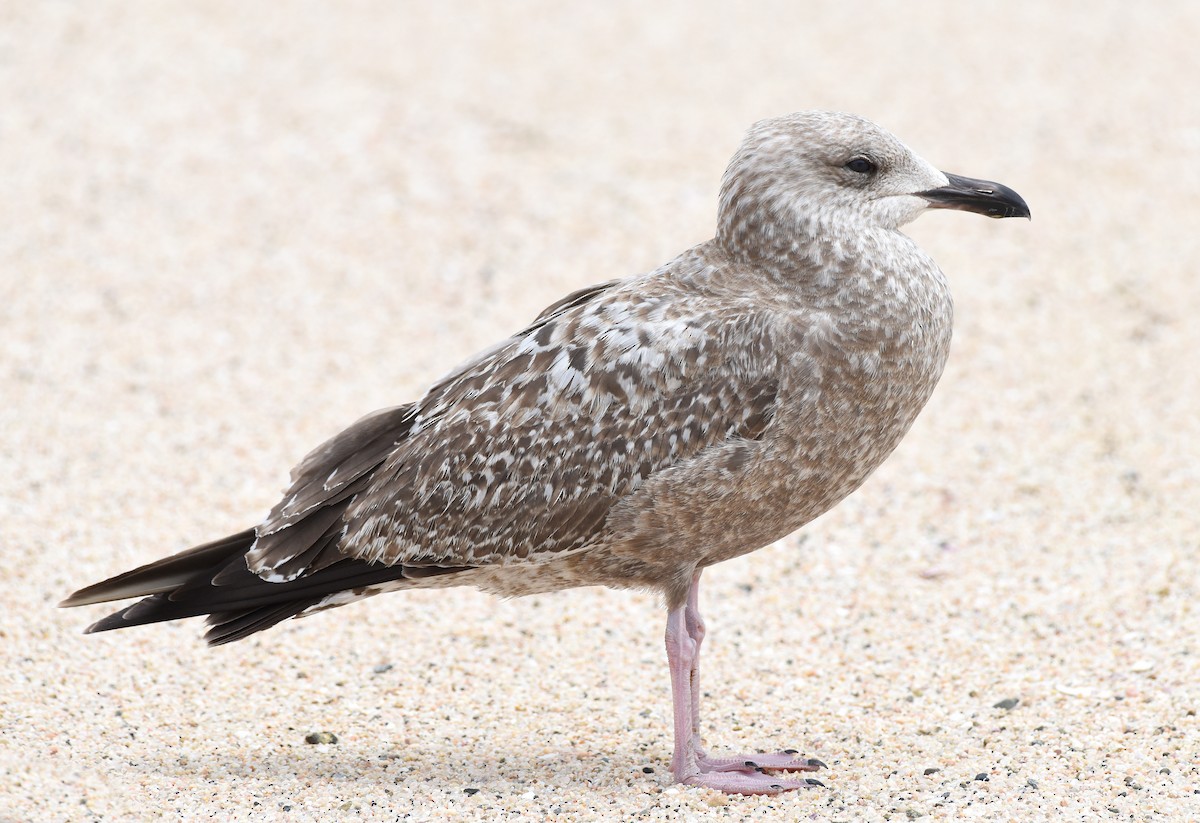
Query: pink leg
[{"x": 690, "y": 763}]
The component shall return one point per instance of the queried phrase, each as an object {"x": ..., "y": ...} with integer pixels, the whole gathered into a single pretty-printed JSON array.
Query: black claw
[
  {"x": 790, "y": 751},
  {"x": 812, "y": 781},
  {"x": 775, "y": 786},
  {"x": 812, "y": 761},
  {"x": 751, "y": 764}
]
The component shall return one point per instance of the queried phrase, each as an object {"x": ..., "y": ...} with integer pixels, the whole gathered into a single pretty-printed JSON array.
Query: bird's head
[{"x": 815, "y": 173}]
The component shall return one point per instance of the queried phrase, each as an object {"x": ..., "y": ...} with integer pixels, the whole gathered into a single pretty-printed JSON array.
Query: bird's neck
[
  {"x": 822, "y": 265},
  {"x": 784, "y": 247}
]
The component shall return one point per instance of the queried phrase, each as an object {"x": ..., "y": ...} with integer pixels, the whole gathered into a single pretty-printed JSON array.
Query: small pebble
[
  {"x": 1031, "y": 783},
  {"x": 320, "y": 737},
  {"x": 982, "y": 776},
  {"x": 382, "y": 667},
  {"x": 470, "y": 791},
  {"x": 647, "y": 770},
  {"x": 1007, "y": 703}
]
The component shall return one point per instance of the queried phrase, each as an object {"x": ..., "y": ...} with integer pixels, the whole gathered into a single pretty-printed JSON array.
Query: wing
[
  {"x": 520, "y": 455},
  {"x": 303, "y": 534}
]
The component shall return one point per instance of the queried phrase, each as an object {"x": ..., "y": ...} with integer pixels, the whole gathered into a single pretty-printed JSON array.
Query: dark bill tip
[{"x": 980, "y": 196}]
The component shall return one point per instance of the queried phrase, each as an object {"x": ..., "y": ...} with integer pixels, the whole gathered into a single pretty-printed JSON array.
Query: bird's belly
[
  {"x": 823, "y": 443},
  {"x": 822, "y": 446}
]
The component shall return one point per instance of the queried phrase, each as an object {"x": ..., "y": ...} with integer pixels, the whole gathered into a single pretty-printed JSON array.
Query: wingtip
[
  {"x": 79, "y": 598},
  {"x": 163, "y": 575},
  {"x": 103, "y": 592}
]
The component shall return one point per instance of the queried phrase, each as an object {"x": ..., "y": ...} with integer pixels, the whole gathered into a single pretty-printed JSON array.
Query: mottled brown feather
[{"x": 522, "y": 456}]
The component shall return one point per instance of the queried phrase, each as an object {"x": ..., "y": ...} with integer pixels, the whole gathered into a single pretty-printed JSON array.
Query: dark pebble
[
  {"x": 1031, "y": 783},
  {"x": 647, "y": 770},
  {"x": 470, "y": 791},
  {"x": 1007, "y": 703},
  {"x": 320, "y": 737},
  {"x": 982, "y": 776},
  {"x": 382, "y": 667},
  {"x": 932, "y": 770}
]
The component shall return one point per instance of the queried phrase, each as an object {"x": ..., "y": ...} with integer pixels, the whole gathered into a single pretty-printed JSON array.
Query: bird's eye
[{"x": 861, "y": 165}]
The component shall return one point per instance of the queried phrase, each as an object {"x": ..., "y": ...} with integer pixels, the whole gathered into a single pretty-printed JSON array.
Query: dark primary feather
[
  {"x": 242, "y": 602},
  {"x": 214, "y": 578},
  {"x": 166, "y": 574}
]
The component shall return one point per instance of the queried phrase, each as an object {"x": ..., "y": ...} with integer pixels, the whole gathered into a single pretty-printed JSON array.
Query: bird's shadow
[{"x": 505, "y": 771}]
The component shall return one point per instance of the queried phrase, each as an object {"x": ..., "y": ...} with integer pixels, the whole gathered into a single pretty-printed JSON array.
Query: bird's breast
[
  {"x": 858, "y": 376},
  {"x": 854, "y": 378}
]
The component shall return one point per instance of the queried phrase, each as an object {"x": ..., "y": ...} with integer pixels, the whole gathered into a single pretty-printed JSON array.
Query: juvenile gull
[{"x": 637, "y": 431}]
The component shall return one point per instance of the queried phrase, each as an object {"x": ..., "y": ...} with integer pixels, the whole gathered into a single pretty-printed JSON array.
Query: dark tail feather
[
  {"x": 213, "y": 580},
  {"x": 226, "y": 627}
]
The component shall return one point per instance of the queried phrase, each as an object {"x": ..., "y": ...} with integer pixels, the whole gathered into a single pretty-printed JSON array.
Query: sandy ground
[{"x": 225, "y": 233}]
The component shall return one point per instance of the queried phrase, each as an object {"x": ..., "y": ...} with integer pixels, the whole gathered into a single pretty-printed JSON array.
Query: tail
[{"x": 213, "y": 580}]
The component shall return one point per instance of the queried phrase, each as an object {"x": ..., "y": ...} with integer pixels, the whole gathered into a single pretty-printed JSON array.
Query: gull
[{"x": 637, "y": 431}]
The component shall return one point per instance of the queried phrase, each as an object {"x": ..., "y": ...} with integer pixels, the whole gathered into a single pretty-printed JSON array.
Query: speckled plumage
[
  {"x": 637, "y": 431},
  {"x": 648, "y": 427}
]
